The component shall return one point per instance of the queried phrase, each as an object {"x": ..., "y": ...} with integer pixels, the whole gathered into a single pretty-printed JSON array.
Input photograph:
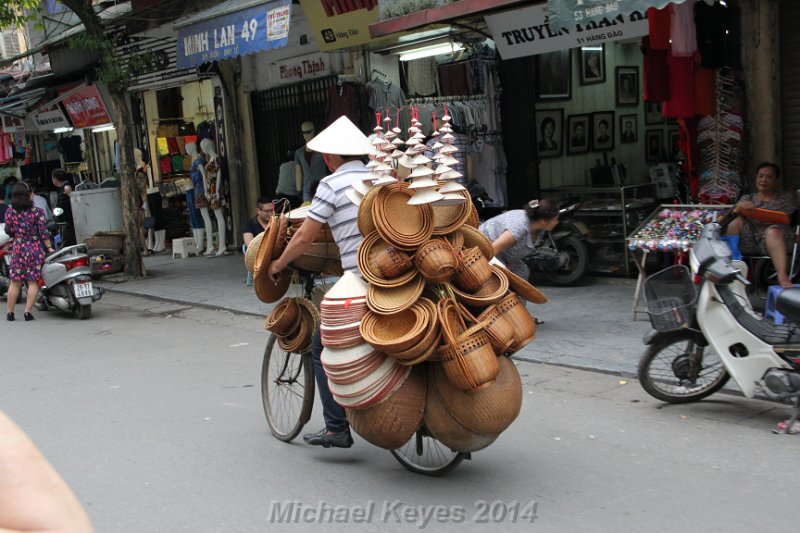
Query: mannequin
[
  {"x": 151, "y": 201},
  {"x": 199, "y": 182},
  {"x": 214, "y": 181},
  {"x": 309, "y": 166}
]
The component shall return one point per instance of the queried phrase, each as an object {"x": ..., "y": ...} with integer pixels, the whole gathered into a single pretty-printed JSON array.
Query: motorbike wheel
[
  {"x": 82, "y": 312},
  {"x": 578, "y": 261},
  {"x": 677, "y": 369}
]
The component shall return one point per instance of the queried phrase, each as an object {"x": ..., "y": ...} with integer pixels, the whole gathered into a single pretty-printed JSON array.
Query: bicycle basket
[{"x": 671, "y": 298}]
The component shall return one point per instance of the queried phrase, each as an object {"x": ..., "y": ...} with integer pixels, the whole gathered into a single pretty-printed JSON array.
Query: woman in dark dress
[{"x": 26, "y": 224}]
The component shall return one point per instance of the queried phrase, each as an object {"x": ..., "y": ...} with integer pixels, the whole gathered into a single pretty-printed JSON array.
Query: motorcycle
[
  {"x": 67, "y": 282},
  {"x": 564, "y": 256},
  {"x": 6, "y": 243},
  {"x": 699, "y": 342}
]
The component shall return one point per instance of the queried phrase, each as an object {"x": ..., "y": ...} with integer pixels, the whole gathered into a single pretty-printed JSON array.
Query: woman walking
[{"x": 26, "y": 224}]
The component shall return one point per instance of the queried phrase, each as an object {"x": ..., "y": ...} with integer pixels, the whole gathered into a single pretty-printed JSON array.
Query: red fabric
[
  {"x": 681, "y": 88},
  {"x": 704, "y": 91},
  {"x": 655, "y": 73},
  {"x": 172, "y": 144},
  {"x": 165, "y": 164},
  {"x": 659, "y": 21}
]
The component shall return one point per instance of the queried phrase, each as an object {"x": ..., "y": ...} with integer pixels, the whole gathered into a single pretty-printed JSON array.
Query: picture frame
[
  {"x": 627, "y": 85},
  {"x": 578, "y": 133},
  {"x": 674, "y": 145},
  {"x": 652, "y": 113},
  {"x": 653, "y": 145},
  {"x": 602, "y": 131},
  {"x": 628, "y": 128},
  {"x": 549, "y": 132},
  {"x": 592, "y": 64},
  {"x": 554, "y": 75}
]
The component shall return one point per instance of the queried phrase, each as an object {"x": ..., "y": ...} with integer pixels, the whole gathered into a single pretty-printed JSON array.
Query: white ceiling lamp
[
  {"x": 62, "y": 130},
  {"x": 432, "y": 50},
  {"x": 104, "y": 127}
]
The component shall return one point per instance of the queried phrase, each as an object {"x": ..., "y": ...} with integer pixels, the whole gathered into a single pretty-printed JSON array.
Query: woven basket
[
  {"x": 468, "y": 358},
  {"x": 473, "y": 270},
  {"x": 491, "y": 292},
  {"x": 436, "y": 261},
  {"x": 300, "y": 342},
  {"x": 368, "y": 251},
  {"x": 425, "y": 344},
  {"x": 498, "y": 327},
  {"x": 402, "y": 225},
  {"x": 441, "y": 423},
  {"x": 366, "y": 225},
  {"x": 448, "y": 218},
  {"x": 515, "y": 312},
  {"x": 387, "y": 301},
  {"x": 252, "y": 251},
  {"x": 392, "y": 262},
  {"x": 393, "y": 422},
  {"x": 473, "y": 220},
  {"x": 282, "y": 238},
  {"x": 284, "y": 317},
  {"x": 321, "y": 257},
  {"x": 395, "y": 333},
  {"x": 473, "y": 237}
]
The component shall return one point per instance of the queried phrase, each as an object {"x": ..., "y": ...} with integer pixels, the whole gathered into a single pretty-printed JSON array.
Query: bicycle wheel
[
  {"x": 427, "y": 456},
  {"x": 287, "y": 390},
  {"x": 677, "y": 369}
]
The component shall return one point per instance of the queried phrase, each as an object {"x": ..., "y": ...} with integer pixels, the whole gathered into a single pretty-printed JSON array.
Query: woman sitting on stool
[{"x": 761, "y": 238}]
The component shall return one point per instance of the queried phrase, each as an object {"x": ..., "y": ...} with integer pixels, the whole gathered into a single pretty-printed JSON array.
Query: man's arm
[{"x": 300, "y": 242}]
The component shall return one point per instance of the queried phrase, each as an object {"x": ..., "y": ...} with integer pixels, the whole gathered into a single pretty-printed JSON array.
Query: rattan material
[
  {"x": 264, "y": 254},
  {"x": 524, "y": 325},
  {"x": 284, "y": 317},
  {"x": 282, "y": 238},
  {"x": 498, "y": 327},
  {"x": 267, "y": 290},
  {"x": 473, "y": 237},
  {"x": 473, "y": 271},
  {"x": 432, "y": 331},
  {"x": 369, "y": 249},
  {"x": 427, "y": 355},
  {"x": 387, "y": 301},
  {"x": 468, "y": 358},
  {"x": 473, "y": 220},
  {"x": 491, "y": 292},
  {"x": 397, "y": 332},
  {"x": 252, "y": 252},
  {"x": 300, "y": 341},
  {"x": 320, "y": 257},
  {"x": 393, "y": 422},
  {"x": 392, "y": 262},
  {"x": 366, "y": 225},
  {"x": 448, "y": 218},
  {"x": 523, "y": 288},
  {"x": 398, "y": 223},
  {"x": 436, "y": 261}
]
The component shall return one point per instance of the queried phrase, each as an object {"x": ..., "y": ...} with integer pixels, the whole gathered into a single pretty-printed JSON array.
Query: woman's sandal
[{"x": 793, "y": 430}]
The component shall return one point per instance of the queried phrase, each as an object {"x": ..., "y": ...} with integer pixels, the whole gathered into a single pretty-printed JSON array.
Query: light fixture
[
  {"x": 104, "y": 127},
  {"x": 592, "y": 48},
  {"x": 62, "y": 130},
  {"x": 428, "y": 51}
]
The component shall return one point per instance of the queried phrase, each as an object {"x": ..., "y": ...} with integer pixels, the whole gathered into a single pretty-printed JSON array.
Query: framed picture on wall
[
  {"x": 549, "y": 132},
  {"x": 593, "y": 64},
  {"x": 652, "y": 113},
  {"x": 674, "y": 145},
  {"x": 653, "y": 141},
  {"x": 627, "y": 85},
  {"x": 554, "y": 75},
  {"x": 579, "y": 131},
  {"x": 628, "y": 126},
  {"x": 603, "y": 131}
]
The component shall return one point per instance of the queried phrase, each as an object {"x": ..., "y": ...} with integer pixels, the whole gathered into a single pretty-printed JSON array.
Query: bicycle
[{"x": 287, "y": 393}]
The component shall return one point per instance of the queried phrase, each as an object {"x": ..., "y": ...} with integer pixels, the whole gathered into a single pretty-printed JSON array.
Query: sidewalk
[{"x": 588, "y": 326}]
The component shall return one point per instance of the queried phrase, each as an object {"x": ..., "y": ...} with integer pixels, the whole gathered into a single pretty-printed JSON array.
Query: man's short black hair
[
  {"x": 263, "y": 200},
  {"x": 59, "y": 175}
]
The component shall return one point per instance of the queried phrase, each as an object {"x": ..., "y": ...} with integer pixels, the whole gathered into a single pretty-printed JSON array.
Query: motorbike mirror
[{"x": 58, "y": 211}]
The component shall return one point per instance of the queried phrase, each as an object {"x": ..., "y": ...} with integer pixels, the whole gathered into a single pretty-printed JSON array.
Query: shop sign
[
  {"x": 568, "y": 13},
  {"x": 340, "y": 24},
  {"x": 301, "y": 68},
  {"x": 398, "y": 8},
  {"x": 259, "y": 28},
  {"x": 526, "y": 32},
  {"x": 85, "y": 106},
  {"x": 50, "y": 118},
  {"x": 149, "y": 58},
  {"x": 13, "y": 124}
]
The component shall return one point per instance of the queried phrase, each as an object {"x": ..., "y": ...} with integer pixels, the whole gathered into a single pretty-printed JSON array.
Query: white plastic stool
[{"x": 185, "y": 247}]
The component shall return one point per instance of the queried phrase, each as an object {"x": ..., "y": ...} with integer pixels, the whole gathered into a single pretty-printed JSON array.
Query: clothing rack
[{"x": 440, "y": 99}]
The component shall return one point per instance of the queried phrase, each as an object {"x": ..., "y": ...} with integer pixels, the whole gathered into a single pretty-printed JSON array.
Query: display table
[{"x": 670, "y": 228}]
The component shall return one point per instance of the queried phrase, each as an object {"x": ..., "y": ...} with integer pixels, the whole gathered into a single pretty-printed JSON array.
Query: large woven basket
[
  {"x": 402, "y": 225},
  {"x": 436, "y": 260},
  {"x": 284, "y": 317},
  {"x": 473, "y": 237},
  {"x": 474, "y": 270},
  {"x": 370, "y": 248},
  {"x": 468, "y": 358},
  {"x": 498, "y": 327},
  {"x": 490, "y": 292},
  {"x": 395, "y": 333},
  {"x": 514, "y": 311},
  {"x": 393, "y": 422}
]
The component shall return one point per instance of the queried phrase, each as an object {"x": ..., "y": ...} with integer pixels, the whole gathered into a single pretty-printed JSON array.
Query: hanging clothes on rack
[{"x": 343, "y": 100}]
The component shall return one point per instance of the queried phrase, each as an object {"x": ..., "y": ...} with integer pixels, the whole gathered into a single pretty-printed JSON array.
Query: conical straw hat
[
  {"x": 425, "y": 196},
  {"x": 348, "y": 286},
  {"x": 341, "y": 138}
]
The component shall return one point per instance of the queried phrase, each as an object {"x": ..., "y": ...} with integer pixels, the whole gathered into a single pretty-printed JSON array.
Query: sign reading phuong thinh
[
  {"x": 255, "y": 29},
  {"x": 566, "y": 13}
]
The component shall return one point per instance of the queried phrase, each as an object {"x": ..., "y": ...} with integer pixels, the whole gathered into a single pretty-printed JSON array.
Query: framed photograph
[
  {"x": 549, "y": 132},
  {"x": 603, "y": 131},
  {"x": 593, "y": 64},
  {"x": 674, "y": 146},
  {"x": 652, "y": 113},
  {"x": 554, "y": 76},
  {"x": 654, "y": 140},
  {"x": 628, "y": 129},
  {"x": 627, "y": 85},
  {"x": 579, "y": 131}
]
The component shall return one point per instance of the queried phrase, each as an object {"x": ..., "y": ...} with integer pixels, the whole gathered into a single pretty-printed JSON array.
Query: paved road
[{"x": 152, "y": 412}]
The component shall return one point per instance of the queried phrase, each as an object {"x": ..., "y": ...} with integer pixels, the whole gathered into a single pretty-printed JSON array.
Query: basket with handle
[
  {"x": 516, "y": 313},
  {"x": 499, "y": 328},
  {"x": 473, "y": 270},
  {"x": 671, "y": 298},
  {"x": 436, "y": 260},
  {"x": 468, "y": 358}
]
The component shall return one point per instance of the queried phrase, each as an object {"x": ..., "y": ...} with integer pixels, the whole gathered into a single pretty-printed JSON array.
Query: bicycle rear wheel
[
  {"x": 427, "y": 456},
  {"x": 287, "y": 390}
]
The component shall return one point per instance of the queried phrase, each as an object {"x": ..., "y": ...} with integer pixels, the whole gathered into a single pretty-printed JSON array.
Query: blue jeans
[
  {"x": 333, "y": 413},
  {"x": 195, "y": 218}
]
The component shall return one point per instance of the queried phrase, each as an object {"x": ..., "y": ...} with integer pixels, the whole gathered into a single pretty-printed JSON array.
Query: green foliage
[
  {"x": 111, "y": 70},
  {"x": 15, "y": 13}
]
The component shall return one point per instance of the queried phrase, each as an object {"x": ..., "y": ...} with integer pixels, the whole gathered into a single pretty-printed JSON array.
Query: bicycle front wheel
[
  {"x": 427, "y": 456},
  {"x": 287, "y": 390}
]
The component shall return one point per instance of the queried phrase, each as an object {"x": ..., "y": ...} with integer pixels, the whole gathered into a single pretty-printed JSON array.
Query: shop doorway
[{"x": 277, "y": 115}]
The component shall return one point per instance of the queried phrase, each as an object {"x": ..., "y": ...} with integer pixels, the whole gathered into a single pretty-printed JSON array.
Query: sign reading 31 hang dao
[
  {"x": 527, "y": 31},
  {"x": 566, "y": 13},
  {"x": 340, "y": 24}
]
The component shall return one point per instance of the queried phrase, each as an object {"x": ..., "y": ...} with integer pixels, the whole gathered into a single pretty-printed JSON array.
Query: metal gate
[{"x": 277, "y": 115}]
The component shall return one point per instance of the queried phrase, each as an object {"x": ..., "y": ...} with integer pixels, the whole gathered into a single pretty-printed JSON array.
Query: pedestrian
[
  {"x": 26, "y": 224},
  {"x": 517, "y": 233},
  {"x": 59, "y": 178},
  {"x": 342, "y": 147},
  {"x": 260, "y": 222},
  {"x": 40, "y": 202}
]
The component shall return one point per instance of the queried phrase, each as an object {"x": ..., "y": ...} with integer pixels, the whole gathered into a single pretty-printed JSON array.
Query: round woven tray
[
  {"x": 523, "y": 288},
  {"x": 301, "y": 342},
  {"x": 284, "y": 317},
  {"x": 397, "y": 332},
  {"x": 491, "y": 292},
  {"x": 402, "y": 225},
  {"x": 448, "y": 218},
  {"x": 472, "y": 237},
  {"x": 387, "y": 301},
  {"x": 282, "y": 237},
  {"x": 366, "y": 225}
]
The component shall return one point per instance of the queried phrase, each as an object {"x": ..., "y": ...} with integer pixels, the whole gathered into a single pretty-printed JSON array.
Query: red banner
[{"x": 85, "y": 106}]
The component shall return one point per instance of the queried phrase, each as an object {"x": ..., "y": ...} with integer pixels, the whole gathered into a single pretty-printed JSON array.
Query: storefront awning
[{"x": 233, "y": 28}]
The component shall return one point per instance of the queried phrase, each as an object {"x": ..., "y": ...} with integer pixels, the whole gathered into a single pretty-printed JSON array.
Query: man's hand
[
  {"x": 275, "y": 268},
  {"x": 67, "y": 190}
]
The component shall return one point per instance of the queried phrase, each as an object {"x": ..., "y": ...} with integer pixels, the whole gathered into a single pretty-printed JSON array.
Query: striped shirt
[{"x": 332, "y": 206}]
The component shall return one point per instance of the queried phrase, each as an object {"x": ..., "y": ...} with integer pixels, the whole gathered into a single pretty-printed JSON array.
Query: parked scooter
[
  {"x": 67, "y": 282},
  {"x": 695, "y": 350},
  {"x": 564, "y": 257},
  {"x": 6, "y": 243}
]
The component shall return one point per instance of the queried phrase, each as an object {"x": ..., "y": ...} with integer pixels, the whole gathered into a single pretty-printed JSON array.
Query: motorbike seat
[{"x": 788, "y": 304}]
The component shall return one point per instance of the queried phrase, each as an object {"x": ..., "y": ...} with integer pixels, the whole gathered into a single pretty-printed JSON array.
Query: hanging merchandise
[
  {"x": 421, "y": 77},
  {"x": 384, "y": 95}
]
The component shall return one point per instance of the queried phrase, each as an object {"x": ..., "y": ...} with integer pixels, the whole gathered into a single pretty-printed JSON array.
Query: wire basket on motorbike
[{"x": 671, "y": 298}]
